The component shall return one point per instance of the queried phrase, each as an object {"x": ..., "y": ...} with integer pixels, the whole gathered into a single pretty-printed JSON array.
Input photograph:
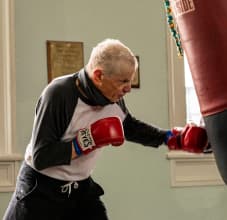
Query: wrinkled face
[{"x": 114, "y": 87}]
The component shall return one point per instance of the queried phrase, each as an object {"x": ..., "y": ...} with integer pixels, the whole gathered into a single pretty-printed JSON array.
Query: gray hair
[{"x": 113, "y": 57}]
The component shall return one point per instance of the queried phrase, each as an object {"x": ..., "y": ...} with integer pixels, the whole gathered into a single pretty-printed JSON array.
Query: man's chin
[{"x": 116, "y": 99}]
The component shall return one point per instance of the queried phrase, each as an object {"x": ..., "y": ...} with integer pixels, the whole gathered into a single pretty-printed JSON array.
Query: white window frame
[
  {"x": 186, "y": 169},
  {"x": 9, "y": 160}
]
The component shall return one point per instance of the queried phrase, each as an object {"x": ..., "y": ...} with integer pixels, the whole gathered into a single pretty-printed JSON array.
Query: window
[
  {"x": 192, "y": 105},
  {"x": 9, "y": 161}
]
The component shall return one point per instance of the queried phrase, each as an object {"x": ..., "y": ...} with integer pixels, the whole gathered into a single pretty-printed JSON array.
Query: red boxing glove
[
  {"x": 101, "y": 133},
  {"x": 174, "y": 141},
  {"x": 191, "y": 138}
]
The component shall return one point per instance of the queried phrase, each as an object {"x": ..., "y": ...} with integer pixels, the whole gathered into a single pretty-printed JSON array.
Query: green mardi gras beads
[{"x": 172, "y": 28}]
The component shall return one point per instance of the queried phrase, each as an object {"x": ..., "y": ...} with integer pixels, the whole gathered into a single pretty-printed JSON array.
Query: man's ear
[{"x": 97, "y": 77}]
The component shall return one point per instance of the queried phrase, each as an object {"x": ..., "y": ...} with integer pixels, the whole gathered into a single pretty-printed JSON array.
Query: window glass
[{"x": 192, "y": 105}]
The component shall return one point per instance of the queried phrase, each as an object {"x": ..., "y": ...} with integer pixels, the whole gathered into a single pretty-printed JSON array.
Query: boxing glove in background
[{"x": 101, "y": 133}]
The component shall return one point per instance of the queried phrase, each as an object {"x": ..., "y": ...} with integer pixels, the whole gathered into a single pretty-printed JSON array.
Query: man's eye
[{"x": 125, "y": 81}]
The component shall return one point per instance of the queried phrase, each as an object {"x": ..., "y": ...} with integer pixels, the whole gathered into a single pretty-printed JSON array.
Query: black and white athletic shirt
[{"x": 62, "y": 109}]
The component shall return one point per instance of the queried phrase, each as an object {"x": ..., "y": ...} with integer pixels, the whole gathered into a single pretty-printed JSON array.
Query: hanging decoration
[{"x": 173, "y": 28}]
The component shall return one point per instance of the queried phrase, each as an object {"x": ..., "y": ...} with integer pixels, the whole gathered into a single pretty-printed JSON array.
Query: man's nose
[{"x": 127, "y": 88}]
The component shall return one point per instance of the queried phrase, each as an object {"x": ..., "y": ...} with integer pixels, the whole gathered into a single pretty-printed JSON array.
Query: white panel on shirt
[{"x": 84, "y": 115}]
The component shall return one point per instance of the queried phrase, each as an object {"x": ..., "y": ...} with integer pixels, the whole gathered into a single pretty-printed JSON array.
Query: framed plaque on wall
[{"x": 64, "y": 57}]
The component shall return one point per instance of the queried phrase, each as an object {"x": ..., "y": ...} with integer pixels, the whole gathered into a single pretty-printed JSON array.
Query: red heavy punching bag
[
  {"x": 203, "y": 30},
  {"x": 202, "y": 25}
]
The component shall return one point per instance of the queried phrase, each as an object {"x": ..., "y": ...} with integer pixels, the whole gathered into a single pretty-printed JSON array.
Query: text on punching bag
[{"x": 181, "y": 7}]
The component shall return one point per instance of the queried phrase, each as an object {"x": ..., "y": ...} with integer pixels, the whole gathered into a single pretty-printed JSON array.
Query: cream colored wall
[{"x": 136, "y": 179}]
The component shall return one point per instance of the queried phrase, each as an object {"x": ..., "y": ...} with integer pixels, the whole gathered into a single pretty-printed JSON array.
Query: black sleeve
[
  {"x": 53, "y": 115},
  {"x": 141, "y": 132}
]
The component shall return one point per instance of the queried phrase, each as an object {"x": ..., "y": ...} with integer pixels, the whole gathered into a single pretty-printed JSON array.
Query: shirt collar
[{"x": 92, "y": 95}]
